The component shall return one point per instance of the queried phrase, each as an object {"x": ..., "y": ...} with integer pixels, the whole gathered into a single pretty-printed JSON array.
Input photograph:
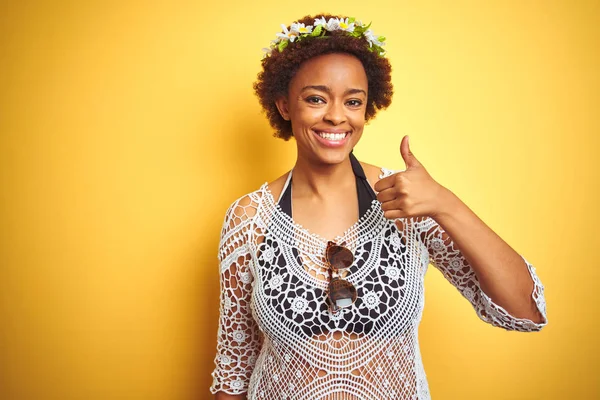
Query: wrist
[{"x": 448, "y": 203}]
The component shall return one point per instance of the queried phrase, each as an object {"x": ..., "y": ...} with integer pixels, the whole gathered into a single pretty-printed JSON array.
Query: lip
[{"x": 332, "y": 143}]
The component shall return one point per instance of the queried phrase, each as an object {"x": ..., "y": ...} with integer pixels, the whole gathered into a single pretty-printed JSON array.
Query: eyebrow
[{"x": 327, "y": 89}]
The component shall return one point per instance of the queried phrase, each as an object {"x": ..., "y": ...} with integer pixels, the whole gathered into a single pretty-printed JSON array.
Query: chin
[{"x": 333, "y": 157}]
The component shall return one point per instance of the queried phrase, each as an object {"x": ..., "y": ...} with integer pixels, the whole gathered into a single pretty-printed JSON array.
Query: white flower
[
  {"x": 300, "y": 29},
  {"x": 372, "y": 38},
  {"x": 390, "y": 354},
  {"x": 276, "y": 377},
  {"x": 267, "y": 51},
  {"x": 299, "y": 305},
  {"x": 392, "y": 273},
  {"x": 396, "y": 241},
  {"x": 237, "y": 384},
  {"x": 437, "y": 245},
  {"x": 252, "y": 360},
  {"x": 239, "y": 336},
  {"x": 320, "y": 21},
  {"x": 345, "y": 26},
  {"x": 371, "y": 300},
  {"x": 276, "y": 281},
  {"x": 267, "y": 254},
  {"x": 456, "y": 264},
  {"x": 379, "y": 370},
  {"x": 245, "y": 277},
  {"x": 333, "y": 24},
  {"x": 225, "y": 360},
  {"x": 469, "y": 294},
  {"x": 287, "y": 35},
  {"x": 299, "y": 373}
]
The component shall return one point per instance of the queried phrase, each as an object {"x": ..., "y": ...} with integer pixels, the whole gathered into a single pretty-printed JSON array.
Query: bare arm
[
  {"x": 501, "y": 272},
  {"x": 226, "y": 396},
  {"x": 492, "y": 266}
]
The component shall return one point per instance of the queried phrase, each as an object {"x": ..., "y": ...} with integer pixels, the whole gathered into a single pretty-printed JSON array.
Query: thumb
[{"x": 409, "y": 158}]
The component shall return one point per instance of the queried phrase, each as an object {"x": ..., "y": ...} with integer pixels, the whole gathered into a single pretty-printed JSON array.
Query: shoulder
[
  {"x": 276, "y": 187},
  {"x": 375, "y": 173},
  {"x": 243, "y": 209}
]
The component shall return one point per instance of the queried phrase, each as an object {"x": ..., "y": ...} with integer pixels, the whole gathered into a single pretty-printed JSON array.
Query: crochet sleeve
[
  {"x": 238, "y": 337},
  {"x": 446, "y": 257}
]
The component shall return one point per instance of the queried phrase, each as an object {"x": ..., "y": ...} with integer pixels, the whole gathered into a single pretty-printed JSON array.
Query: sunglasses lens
[
  {"x": 339, "y": 257},
  {"x": 341, "y": 294}
]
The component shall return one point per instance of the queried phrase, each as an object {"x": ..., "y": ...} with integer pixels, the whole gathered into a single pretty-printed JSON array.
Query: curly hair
[{"x": 280, "y": 67}]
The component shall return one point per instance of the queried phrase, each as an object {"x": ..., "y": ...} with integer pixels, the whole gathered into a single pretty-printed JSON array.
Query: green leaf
[
  {"x": 317, "y": 30},
  {"x": 351, "y": 20},
  {"x": 381, "y": 38},
  {"x": 282, "y": 45}
]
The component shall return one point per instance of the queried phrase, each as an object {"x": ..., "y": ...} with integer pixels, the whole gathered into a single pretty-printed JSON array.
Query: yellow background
[{"x": 127, "y": 128}]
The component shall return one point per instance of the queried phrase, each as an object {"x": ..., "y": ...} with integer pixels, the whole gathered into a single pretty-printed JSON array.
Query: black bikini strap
[{"x": 364, "y": 190}]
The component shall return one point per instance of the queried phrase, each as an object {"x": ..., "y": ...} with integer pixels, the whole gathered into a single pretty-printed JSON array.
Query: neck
[{"x": 311, "y": 179}]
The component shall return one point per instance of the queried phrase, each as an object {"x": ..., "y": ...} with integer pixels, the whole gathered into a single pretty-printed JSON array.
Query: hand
[{"x": 412, "y": 192}]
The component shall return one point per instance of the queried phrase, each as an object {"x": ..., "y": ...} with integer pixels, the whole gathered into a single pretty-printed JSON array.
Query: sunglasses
[{"x": 340, "y": 292}]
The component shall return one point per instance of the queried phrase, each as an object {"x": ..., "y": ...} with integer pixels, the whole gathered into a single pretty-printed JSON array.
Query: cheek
[
  {"x": 306, "y": 114},
  {"x": 358, "y": 120}
]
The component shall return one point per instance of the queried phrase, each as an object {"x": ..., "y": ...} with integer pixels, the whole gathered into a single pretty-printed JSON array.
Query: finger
[
  {"x": 384, "y": 183},
  {"x": 401, "y": 203},
  {"x": 396, "y": 204},
  {"x": 395, "y": 214},
  {"x": 387, "y": 195},
  {"x": 409, "y": 158}
]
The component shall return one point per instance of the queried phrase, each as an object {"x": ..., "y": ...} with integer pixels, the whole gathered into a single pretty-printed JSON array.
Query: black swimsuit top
[
  {"x": 366, "y": 195},
  {"x": 364, "y": 191}
]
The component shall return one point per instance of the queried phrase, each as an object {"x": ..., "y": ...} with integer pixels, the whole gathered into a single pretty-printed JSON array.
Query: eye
[
  {"x": 314, "y": 100},
  {"x": 355, "y": 103}
]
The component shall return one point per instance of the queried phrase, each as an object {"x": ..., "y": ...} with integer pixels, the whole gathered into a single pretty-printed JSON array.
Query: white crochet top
[{"x": 277, "y": 338}]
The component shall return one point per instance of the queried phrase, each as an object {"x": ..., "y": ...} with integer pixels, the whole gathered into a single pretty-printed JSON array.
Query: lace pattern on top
[{"x": 277, "y": 338}]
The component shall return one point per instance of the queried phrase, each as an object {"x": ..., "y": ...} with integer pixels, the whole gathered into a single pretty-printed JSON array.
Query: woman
[{"x": 322, "y": 270}]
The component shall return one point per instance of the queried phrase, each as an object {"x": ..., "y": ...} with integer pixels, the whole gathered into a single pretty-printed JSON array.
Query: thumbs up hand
[{"x": 412, "y": 192}]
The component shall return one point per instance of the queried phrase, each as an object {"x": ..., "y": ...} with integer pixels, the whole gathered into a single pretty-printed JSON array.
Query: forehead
[{"x": 337, "y": 71}]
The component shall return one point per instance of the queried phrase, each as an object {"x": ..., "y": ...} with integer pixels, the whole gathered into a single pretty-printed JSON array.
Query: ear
[{"x": 282, "y": 107}]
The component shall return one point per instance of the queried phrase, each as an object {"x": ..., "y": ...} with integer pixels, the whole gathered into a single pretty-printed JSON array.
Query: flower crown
[{"x": 320, "y": 28}]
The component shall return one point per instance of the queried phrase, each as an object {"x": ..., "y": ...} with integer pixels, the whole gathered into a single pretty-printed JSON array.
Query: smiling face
[{"x": 326, "y": 104}]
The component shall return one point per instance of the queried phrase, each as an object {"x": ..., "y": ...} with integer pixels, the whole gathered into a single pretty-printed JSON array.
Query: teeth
[{"x": 332, "y": 136}]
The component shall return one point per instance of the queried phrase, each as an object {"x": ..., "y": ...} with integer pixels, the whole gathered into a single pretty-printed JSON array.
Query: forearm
[
  {"x": 501, "y": 272},
  {"x": 226, "y": 396}
]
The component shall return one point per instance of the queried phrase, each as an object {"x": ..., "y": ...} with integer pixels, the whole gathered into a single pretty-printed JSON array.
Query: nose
[{"x": 335, "y": 113}]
